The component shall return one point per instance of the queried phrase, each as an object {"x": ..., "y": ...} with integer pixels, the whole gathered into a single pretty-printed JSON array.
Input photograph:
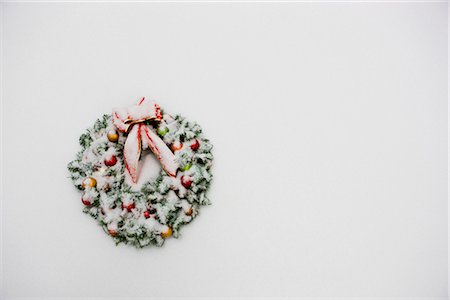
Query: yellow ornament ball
[
  {"x": 112, "y": 136},
  {"x": 167, "y": 233},
  {"x": 89, "y": 182}
]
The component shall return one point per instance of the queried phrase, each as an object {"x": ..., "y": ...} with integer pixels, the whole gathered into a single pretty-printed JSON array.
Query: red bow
[{"x": 131, "y": 119}]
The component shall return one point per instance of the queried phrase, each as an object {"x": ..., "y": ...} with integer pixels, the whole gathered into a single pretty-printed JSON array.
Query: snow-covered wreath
[{"x": 134, "y": 200}]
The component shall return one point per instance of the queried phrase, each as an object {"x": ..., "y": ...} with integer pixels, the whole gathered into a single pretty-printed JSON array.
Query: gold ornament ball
[
  {"x": 112, "y": 136},
  {"x": 189, "y": 212},
  {"x": 167, "y": 233},
  {"x": 89, "y": 182}
]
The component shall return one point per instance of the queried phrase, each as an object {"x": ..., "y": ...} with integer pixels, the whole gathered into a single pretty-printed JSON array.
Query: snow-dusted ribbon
[{"x": 131, "y": 119}]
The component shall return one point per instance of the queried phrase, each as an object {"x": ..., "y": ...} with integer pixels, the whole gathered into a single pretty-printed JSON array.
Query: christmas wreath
[{"x": 108, "y": 171}]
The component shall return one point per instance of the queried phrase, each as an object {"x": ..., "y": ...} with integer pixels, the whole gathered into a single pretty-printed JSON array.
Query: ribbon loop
[{"x": 131, "y": 119}]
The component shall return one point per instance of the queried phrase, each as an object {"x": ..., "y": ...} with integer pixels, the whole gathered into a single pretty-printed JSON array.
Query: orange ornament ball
[{"x": 177, "y": 146}]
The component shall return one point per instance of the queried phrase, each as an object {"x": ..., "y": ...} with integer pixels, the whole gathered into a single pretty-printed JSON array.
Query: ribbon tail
[
  {"x": 161, "y": 151},
  {"x": 132, "y": 151}
]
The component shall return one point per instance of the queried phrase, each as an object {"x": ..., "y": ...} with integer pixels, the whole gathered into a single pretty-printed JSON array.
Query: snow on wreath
[{"x": 143, "y": 174}]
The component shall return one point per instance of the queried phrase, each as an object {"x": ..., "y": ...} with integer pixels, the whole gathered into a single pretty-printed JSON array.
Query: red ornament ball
[
  {"x": 186, "y": 181},
  {"x": 128, "y": 207},
  {"x": 195, "y": 145},
  {"x": 111, "y": 161},
  {"x": 86, "y": 202},
  {"x": 146, "y": 214}
]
